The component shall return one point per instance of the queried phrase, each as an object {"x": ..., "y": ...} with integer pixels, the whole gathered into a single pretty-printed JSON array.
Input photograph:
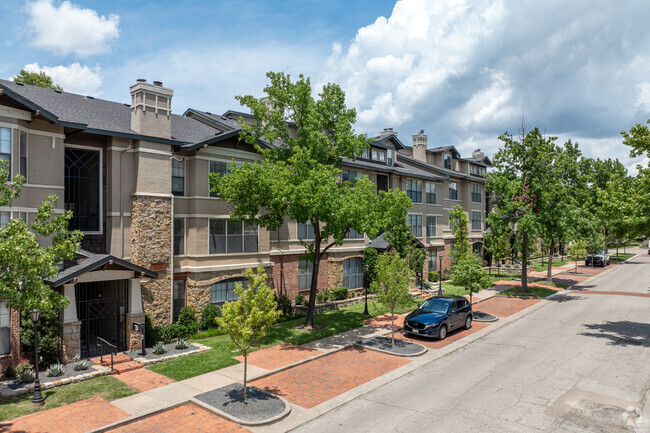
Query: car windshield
[{"x": 435, "y": 306}]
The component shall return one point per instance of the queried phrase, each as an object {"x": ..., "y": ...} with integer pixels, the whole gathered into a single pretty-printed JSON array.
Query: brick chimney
[
  {"x": 420, "y": 146},
  {"x": 386, "y": 132},
  {"x": 151, "y": 109},
  {"x": 478, "y": 154}
]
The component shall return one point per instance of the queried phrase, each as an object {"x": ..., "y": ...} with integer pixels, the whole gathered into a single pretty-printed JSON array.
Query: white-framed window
[
  {"x": 415, "y": 221},
  {"x": 353, "y": 273},
  {"x": 431, "y": 225},
  {"x": 447, "y": 161},
  {"x": 5, "y": 329},
  {"x": 473, "y": 169},
  {"x": 219, "y": 167},
  {"x": 231, "y": 237},
  {"x": 178, "y": 177},
  {"x": 430, "y": 189},
  {"x": 305, "y": 271},
  {"x": 4, "y": 218},
  {"x": 351, "y": 175},
  {"x": 453, "y": 190},
  {"x": 379, "y": 155},
  {"x": 306, "y": 230},
  {"x": 22, "y": 154},
  {"x": 353, "y": 234},
  {"x": 5, "y": 146},
  {"x": 391, "y": 156},
  {"x": 179, "y": 236},
  {"x": 414, "y": 190},
  {"x": 224, "y": 291},
  {"x": 477, "y": 193},
  {"x": 365, "y": 154},
  {"x": 476, "y": 220},
  {"x": 433, "y": 261}
]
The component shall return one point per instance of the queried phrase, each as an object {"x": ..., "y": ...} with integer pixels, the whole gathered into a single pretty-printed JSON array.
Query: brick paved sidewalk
[
  {"x": 384, "y": 320},
  {"x": 143, "y": 379},
  {"x": 71, "y": 418},
  {"x": 183, "y": 419},
  {"x": 502, "y": 306},
  {"x": 317, "y": 381},
  {"x": 279, "y": 356}
]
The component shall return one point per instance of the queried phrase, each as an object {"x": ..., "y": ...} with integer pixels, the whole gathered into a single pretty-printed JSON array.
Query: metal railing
[{"x": 101, "y": 342}]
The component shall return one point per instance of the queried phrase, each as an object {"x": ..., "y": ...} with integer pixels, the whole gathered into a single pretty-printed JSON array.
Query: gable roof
[
  {"x": 93, "y": 263},
  {"x": 381, "y": 140}
]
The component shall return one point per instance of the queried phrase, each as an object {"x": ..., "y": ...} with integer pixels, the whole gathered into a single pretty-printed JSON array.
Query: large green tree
[
  {"x": 40, "y": 79},
  {"x": 638, "y": 138},
  {"x": 24, "y": 262},
  {"x": 299, "y": 176}
]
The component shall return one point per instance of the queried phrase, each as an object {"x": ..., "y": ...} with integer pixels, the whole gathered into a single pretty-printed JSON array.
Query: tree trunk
[
  {"x": 309, "y": 322},
  {"x": 245, "y": 368},
  {"x": 549, "y": 271},
  {"x": 392, "y": 327},
  {"x": 470, "y": 296},
  {"x": 524, "y": 261}
]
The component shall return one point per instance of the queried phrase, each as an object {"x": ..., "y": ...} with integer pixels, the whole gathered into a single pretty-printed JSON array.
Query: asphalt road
[{"x": 579, "y": 363}]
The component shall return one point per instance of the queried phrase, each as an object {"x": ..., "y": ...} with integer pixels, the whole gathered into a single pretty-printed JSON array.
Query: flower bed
[{"x": 172, "y": 353}]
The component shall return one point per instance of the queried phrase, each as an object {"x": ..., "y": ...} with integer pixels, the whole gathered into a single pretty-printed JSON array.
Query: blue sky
[{"x": 465, "y": 71}]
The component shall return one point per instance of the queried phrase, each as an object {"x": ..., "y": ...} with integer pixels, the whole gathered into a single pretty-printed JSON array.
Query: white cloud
[
  {"x": 643, "y": 99},
  {"x": 73, "y": 78},
  {"x": 70, "y": 28}
]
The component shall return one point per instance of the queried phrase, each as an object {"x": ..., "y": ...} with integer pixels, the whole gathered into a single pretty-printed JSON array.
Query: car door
[{"x": 455, "y": 315}]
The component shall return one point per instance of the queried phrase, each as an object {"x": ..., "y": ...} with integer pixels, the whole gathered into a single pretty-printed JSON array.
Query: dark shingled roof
[
  {"x": 441, "y": 171},
  {"x": 97, "y": 115},
  {"x": 380, "y": 243},
  {"x": 93, "y": 263}
]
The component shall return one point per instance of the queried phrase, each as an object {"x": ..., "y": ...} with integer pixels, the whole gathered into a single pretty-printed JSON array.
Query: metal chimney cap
[
  {"x": 141, "y": 80},
  {"x": 157, "y": 83},
  {"x": 421, "y": 131}
]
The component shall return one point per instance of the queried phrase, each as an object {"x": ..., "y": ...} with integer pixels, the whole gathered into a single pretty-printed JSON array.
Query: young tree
[
  {"x": 498, "y": 242},
  {"x": 299, "y": 175},
  {"x": 247, "y": 319},
  {"x": 24, "y": 263},
  {"x": 40, "y": 79},
  {"x": 467, "y": 271},
  {"x": 391, "y": 284},
  {"x": 577, "y": 251}
]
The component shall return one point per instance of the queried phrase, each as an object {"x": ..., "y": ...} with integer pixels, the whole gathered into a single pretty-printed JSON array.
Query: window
[
  {"x": 452, "y": 253},
  {"x": 452, "y": 223},
  {"x": 353, "y": 273},
  {"x": 431, "y": 225},
  {"x": 379, "y": 155},
  {"x": 218, "y": 167},
  {"x": 5, "y": 146},
  {"x": 5, "y": 329},
  {"x": 22, "y": 154},
  {"x": 453, "y": 191},
  {"x": 306, "y": 231},
  {"x": 224, "y": 291},
  {"x": 476, "y": 193},
  {"x": 447, "y": 162},
  {"x": 473, "y": 169},
  {"x": 476, "y": 220},
  {"x": 178, "y": 177},
  {"x": 430, "y": 190},
  {"x": 365, "y": 154},
  {"x": 228, "y": 236},
  {"x": 391, "y": 157},
  {"x": 353, "y": 234},
  {"x": 415, "y": 221},
  {"x": 4, "y": 219},
  {"x": 433, "y": 261},
  {"x": 351, "y": 175},
  {"x": 82, "y": 188},
  {"x": 179, "y": 298},
  {"x": 305, "y": 271},
  {"x": 179, "y": 236},
  {"x": 382, "y": 182},
  {"x": 477, "y": 249},
  {"x": 414, "y": 190}
]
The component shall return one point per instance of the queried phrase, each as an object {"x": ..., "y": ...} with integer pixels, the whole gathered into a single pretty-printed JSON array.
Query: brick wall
[{"x": 285, "y": 274}]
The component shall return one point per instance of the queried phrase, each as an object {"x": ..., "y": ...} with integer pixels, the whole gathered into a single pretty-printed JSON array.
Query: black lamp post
[
  {"x": 440, "y": 280},
  {"x": 37, "y": 399},
  {"x": 365, "y": 283}
]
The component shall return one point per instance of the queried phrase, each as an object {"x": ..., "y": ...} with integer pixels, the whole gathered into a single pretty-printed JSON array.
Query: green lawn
[
  {"x": 221, "y": 355},
  {"x": 106, "y": 387},
  {"x": 621, "y": 257},
  {"x": 541, "y": 268},
  {"x": 537, "y": 292}
]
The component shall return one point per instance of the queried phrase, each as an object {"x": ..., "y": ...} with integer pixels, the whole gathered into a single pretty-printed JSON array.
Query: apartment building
[{"x": 136, "y": 179}]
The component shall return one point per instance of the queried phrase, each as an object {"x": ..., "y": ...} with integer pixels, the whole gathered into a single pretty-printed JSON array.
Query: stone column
[
  {"x": 71, "y": 326},
  {"x": 135, "y": 314}
]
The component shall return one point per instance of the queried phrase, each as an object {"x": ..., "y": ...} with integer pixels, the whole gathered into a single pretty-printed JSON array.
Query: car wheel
[
  {"x": 468, "y": 321},
  {"x": 442, "y": 332}
]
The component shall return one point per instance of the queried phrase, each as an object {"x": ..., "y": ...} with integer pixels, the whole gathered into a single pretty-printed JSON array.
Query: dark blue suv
[{"x": 436, "y": 316}]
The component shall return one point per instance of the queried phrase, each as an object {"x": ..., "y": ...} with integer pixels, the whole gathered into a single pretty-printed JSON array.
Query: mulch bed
[
  {"x": 399, "y": 348},
  {"x": 259, "y": 406}
]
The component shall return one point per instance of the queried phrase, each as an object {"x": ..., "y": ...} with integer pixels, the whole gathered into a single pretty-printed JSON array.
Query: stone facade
[
  {"x": 335, "y": 266},
  {"x": 151, "y": 242},
  {"x": 133, "y": 342},
  {"x": 285, "y": 274},
  {"x": 70, "y": 340}
]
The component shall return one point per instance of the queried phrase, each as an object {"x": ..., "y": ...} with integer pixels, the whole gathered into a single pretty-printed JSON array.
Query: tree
[
  {"x": 595, "y": 244},
  {"x": 638, "y": 138},
  {"x": 24, "y": 263},
  {"x": 299, "y": 176},
  {"x": 391, "y": 284},
  {"x": 498, "y": 242},
  {"x": 467, "y": 272},
  {"x": 39, "y": 79},
  {"x": 577, "y": 251},
  {"x": 247, "y": 319}
]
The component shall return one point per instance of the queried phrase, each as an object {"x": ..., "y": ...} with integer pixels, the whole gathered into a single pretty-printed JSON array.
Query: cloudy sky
[{"x": 464, "y": 71}]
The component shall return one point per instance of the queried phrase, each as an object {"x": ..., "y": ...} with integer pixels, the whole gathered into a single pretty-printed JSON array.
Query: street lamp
[
  {"x": 440, "y": 280},
  {"x": 37, "y": 399},
  {"x": 365, "y": 283}
]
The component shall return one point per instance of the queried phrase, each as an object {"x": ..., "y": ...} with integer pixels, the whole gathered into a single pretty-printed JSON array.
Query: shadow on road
[
  {"x": 622, "y": 333},
  {"x": 565, "y": 298}
]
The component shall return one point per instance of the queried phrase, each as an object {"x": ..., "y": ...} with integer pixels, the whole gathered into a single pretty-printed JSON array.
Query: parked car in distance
[
  {"x": 439, "y": 315},
  {"x": 599, "y": 259}
]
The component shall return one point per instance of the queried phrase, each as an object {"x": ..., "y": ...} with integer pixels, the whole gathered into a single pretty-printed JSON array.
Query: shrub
[
  {"x": 80, "y": 365},
  {"x": 284, "y": 304},
  {"x": 174, "y": 330},
  {"x": 320, "y": 297},
  {"x": 48, "y": 334},
  {"x": 152, "y": 333},
  {"x": 9, "y": 372},
  {"x": 339, "y": 293},
  {"x": 27, "y": 376},
  {"x": 187, "y": 318},
  {"x": 55, "y": 370},
  {"x": 427, "y": 285},
  {"x": 181, "y": 344},
  {"x": 299, "y": 299},
  {"x": 160, "y": 349},
  {"x": 433, "y": 276},
  {"x": 209, "y": 316}
]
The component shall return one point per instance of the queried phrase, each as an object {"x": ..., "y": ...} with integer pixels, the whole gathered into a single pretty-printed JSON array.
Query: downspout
[{"x": 129, "y": 147}]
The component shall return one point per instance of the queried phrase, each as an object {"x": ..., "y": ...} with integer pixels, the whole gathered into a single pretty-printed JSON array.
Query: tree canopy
[{"x": 40, "y": 79}]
